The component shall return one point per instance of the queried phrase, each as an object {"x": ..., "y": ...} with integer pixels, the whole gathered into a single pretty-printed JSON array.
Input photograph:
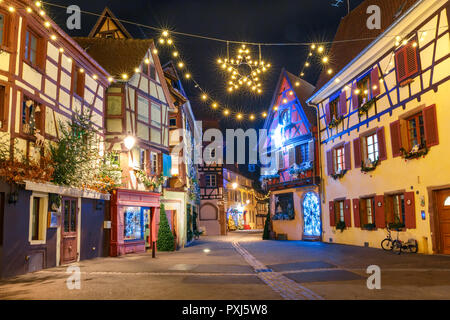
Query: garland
[
  {"x": 149, "y": 182},
  {"x": 366, "y": 106},
  {"x": 414, "y": 154},
  {"x": 372, "y": 167},
  {"x": 335, "y": 122},
  {"x": 339, "y": 175}
]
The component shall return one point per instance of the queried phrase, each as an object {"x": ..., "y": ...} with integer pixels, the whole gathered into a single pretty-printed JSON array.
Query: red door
[
  {"x": 444, "y": 220},
  {"x": 69, "y": 231}
]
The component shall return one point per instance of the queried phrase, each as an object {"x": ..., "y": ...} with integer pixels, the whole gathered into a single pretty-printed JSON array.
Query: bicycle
[
  {"x": 399, "y": 245},
  {"x": 387, "y": 244}
]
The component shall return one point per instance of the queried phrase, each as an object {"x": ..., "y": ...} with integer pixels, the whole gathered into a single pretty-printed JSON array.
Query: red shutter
[
  {"x": 355, "y": 97},
  {"x": 332, "y": 215},
  {"x": 330, "y": 166},
  {"x": 430, "y": 124},
  {"x": 381, "y": 144},
  {"x": 410, "y": 210},
  {"x": 412, "y": 62},
  {"x": 356, "y": 217},
  {"x": 347, "y": 213},
  {"x": 400, "y": 64},
  {"x": 348, "y": 157},
  {"x": 380, "y": 219},
  {"x": 327, "y": 113},
  {"x": 375, "y": 81},
  {"x": 357, "y": 152},
  {"x": 343, "y": 103},
  {"x": 396, "y": 138}
]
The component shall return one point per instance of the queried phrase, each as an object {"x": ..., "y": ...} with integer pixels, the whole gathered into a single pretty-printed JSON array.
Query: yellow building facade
[{"x": 383, "y": 133}]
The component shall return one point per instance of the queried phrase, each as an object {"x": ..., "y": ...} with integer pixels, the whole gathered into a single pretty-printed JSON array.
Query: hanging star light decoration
[{"x": 243, "y": 71}]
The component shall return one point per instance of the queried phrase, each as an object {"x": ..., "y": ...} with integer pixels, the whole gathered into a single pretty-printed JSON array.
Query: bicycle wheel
[
  {"x": 414, "y": 248},
  {"x": 386, "y": 244},
  {"x": 397, "y": 247}
]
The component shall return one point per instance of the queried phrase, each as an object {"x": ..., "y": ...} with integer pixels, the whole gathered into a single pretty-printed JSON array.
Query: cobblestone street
[{"x": 241, "y": 266}]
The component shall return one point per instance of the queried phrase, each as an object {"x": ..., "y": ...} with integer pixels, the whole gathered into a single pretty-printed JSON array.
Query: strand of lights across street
[{"x": 226, "y": 111}]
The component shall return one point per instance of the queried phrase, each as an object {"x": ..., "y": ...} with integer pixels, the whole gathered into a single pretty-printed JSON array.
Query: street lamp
[{"x": 129, "y": 142}]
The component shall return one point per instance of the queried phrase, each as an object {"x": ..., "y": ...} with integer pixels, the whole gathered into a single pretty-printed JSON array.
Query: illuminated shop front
[
  {"x": 236, "y": 218},
  {"x": 135, "y": 220}
]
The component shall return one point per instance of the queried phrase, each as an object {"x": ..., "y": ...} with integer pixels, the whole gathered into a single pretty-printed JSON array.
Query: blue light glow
[{"x": 311, "y": 214}]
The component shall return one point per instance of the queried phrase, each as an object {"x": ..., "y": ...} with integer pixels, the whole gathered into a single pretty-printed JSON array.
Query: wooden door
[
  {"x": 443, "y": 198},
  {"x": 69, "y": 231}
]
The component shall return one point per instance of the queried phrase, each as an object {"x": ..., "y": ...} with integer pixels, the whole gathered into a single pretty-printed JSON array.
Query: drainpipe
[{"x": 319, "y": 154}]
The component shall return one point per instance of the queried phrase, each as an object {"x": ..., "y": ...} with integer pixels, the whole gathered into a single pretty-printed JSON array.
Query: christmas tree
[{"x": 165, "y": 237}]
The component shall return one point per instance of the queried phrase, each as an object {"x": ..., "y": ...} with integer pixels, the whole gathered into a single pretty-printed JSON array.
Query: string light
[
  {"x": 226, "y": 112},
  {"x": 11, "y": 9},
  {"x": 29, "y": 10},
  {"x": 187, "y": 75},
  {"x": 38, "y": 4}
]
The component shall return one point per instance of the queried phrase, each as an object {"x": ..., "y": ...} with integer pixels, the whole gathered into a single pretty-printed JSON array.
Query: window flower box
[
  {"x": 366, "y": 106},
  {"x": 416, "y": 152},
  {"x": 335, "y": 122},
  {"x": 339, "y": 174},
  {"x": 369, "y": 165}
]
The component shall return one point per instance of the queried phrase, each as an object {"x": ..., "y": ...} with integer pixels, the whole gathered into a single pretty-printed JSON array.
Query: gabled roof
[
  {"x": 107, "y": 14},
  {"x": 302, "y": 93},
  {"x": 117, "y": 56},
  {"x": 354, "y": 26}
]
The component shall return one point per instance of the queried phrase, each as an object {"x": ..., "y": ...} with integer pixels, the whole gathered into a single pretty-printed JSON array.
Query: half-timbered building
[
  {"x": 383, "y": 127},
  {"x": 292, "y": 176},
  {"x": 45, "y": 79},
  {"x": 181, "y": 194},
  {"x": 137, "y": 130}
]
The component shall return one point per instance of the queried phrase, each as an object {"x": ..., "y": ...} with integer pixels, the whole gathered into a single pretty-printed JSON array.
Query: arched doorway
[{"x": 312, "y": 228}]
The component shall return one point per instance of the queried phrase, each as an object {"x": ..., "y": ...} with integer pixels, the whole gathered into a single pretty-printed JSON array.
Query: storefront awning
[{"x": 65, "y": 191}]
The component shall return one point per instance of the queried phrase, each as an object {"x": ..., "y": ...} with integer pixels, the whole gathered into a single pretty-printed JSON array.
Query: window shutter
[
  {"x": 291, "y": 156},
  {"x": 347, "y": 213},
  {"x": 203, "y": 180},
  {"x": 356, "y": 216},
  {"x": 381, "y": 144},
  {"x": 355, "y": 97},
  {"x": 412, "y": 62},
  {"x": 410, "y": 210},
  {"x": 332, "y": 214},
  {"x": 330, "y": 166},
  {"x": 347, "y": 156},
  {"x": 280, "y": 160},
  {"x": 430, "y": 124},
  {"x": 380, "y": 219},
  {"x": 396, "y": 138},
  {"x": 311, "y": 145},
  {"x": 327, "y": 113},
  {"x": 343, "y": 103},
  {"x": 400, "y": 64},
  {"x": 298, "y": 155},
  {"x": 375, "y": 82},
  {"x": 357, "y": 152}
]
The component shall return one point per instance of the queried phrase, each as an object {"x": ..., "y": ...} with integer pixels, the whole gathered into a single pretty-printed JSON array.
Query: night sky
[{"x": 240, "y": 20}]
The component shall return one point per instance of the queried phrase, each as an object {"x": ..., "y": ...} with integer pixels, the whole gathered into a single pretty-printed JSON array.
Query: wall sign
[{"x": 52, "y": 220}]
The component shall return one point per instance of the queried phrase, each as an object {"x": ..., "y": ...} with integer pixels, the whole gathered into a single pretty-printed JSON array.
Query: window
[
  {"x": 372, "y": 147},
  {"x": 143, "y": 110},
  {"x": 407, "y": 62},
  {"x": 339, "y": 159},
  {"x": 78, "y": 78},
  {"x": 154, "y": 163},
  {"x": 133, "y": 224},
  {"x": 114, "y": 107},
  {"x": 156, "y": 115},
  {"x": 142, "y": 159},
  {"x": 3, "y": 111},
  {"x": 211, "y": 180},
  {"x": 363, "y": 89},
  {"x": 70, "y": 215},
  {"x": 38, "y": 219},
  {"x": 339, "y": 207},
  {"x": 173, "y": 122},
  {"x": 285, "y": 117},
  {"x": 367, "y": 211},
  {"x": 416, "y": 131},
  {"x": 334, "y": 114},
  {"x": 152, "y": 71},
  {"x": 31, "y": 116},
  {"x": 302, "y": 153},
  {"x": 395, "y": 212},
  {"x": 4, "y": 28},
  {"x": 32, "y": 41}
]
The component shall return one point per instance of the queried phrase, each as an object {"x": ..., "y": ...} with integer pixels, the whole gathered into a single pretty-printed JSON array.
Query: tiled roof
[
  {"x": 117, "y": 56},
  {"x": 354, "y": 26}
]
